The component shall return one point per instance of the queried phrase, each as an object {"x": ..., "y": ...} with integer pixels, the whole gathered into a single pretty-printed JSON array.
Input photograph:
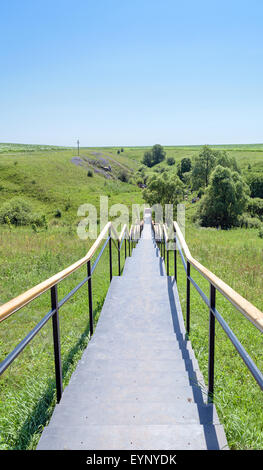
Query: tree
[
  {"x": 184, "y": 166},
  {"x": 255, "y": 183},
  {"x": 226, "y": 161},
  {"x": 203, "y": 166},
  {"x": 225, "y": 199},
  {"x": 154, "y": 156},
  {"x": 147, "y": 158},
  {"x": 205, "y": 163},
  {"x": 164, "y": 189}
]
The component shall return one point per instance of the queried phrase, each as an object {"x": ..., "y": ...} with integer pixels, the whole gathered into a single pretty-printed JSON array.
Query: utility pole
[{"x": 78, "y": 147}]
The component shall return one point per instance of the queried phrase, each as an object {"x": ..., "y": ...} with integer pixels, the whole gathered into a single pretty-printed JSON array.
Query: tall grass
[
  {"x": 27, "y": 388},
  {"x": 236, "y": 257}
]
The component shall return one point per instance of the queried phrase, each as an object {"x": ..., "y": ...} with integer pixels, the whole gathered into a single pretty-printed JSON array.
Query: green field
[{"x": 47, "y": 177}]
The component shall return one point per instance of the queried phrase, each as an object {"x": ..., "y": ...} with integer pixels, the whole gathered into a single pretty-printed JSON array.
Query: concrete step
[{"x": 132, "y": 437}]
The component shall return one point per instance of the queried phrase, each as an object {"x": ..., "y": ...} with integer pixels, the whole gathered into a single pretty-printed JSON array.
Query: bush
[
  {"x": 255, "y": 207},
  {"x": 200, "y": 193},
  {"x": 123, "y": 176},
  {"x": 58, "y": 213},
  {"x": 260, "y": 232},
  {"x": 40, "y": 221},
  {"x": 17, "y": 211},
  {"x": 90, "y": 173},
  {"x": 255, "y": 183},
  {"x": 170, "y": 161},
  {"x": 246, "y": 221}
]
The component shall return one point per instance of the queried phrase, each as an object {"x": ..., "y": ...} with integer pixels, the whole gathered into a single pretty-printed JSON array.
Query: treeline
[{"x": 228, "y": 197}]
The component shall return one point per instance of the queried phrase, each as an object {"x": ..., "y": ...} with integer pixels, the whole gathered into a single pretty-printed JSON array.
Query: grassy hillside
[{"x": 55, "y": 180}]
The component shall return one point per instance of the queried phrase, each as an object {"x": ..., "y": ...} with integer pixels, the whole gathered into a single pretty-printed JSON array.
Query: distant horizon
[{"x": 131, "y": 146}]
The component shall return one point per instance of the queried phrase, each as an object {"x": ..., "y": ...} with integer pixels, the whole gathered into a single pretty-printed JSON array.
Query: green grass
[
  {"x": 27, "y": 388},
  {"x": 46, "y": 176},
  {"x": 236, "y": 257}
]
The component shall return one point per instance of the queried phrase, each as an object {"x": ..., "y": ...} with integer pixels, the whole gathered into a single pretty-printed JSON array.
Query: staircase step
[
  {"x": 128, "y": 378},
  {"x": 132, "y": 437},
  {"x": 98, "y": 350},
  {"x": 134, "y": 413},
  {"x": 81, "y": 392},
  {"x": 119, "y": 364}
]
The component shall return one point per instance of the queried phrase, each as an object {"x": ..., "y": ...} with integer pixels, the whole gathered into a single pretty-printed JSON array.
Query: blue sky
[{"x": 110, "y": 72}]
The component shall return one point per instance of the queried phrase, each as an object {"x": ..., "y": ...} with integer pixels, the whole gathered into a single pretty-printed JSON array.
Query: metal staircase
[{"x": 138, "y": 384}]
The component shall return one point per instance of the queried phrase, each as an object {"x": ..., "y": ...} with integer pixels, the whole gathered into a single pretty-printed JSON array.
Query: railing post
[
  {"x": 188, "y": 299},
  {"x": 90, "y": 298},
  {"x": 119, "y": 258},
  {"x": 175, "y": 260},
  {"x": 56, "y": 342},
  {"x": 125, "y": 249},
  {"x": 211, "y": 362},
  {"x": 164, "y": 249},
  {"x": 110, "y": 254}
]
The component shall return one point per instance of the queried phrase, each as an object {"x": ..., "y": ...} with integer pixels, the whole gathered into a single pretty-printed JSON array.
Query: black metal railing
[
  {"x": 162, "y": 241},
  {"x": 130, "y": 238}
]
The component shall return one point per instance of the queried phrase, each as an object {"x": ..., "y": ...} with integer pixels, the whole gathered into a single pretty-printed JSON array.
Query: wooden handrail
[
  {"x": 166, "y": 238},
  {"x": 251, "y": 312},
  {"x": 21, "y": 300},
  {"x": 123, "y": 232}
]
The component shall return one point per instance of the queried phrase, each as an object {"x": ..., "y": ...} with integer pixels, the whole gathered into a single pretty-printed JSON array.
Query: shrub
[
  {"x": 201, "y": 192},
  {"x": 18, "y": 211},
  {"x": 40, "y": 221},
  {"x": 123, "y": 176},
  {"x": 170, "y": 161},
  {"x": 246, "y": 221},
  {"x": 58, "y": 213},
  {"x": 260, "y": 232},
  {"x": 90, "y": 173},
  {"x": 67, "y": 205},
  {"x": 255, "y": 183},
  {"x": 255, "y": 207},
  {"x": 7, "y": 221}
]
